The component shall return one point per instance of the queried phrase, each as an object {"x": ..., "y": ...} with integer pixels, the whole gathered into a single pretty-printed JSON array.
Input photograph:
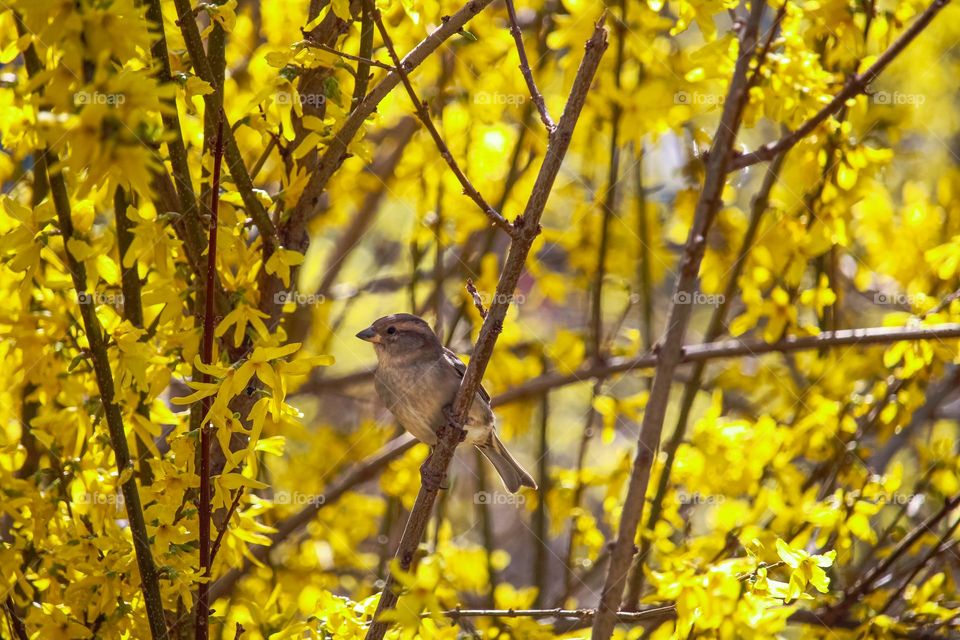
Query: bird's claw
[
  {"x": 432, "y": 480},
  {"x": 450, "y": 421}
]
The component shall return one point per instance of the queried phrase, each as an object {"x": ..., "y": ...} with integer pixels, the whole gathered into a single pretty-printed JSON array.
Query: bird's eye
[{"x": 391, "y": 330}]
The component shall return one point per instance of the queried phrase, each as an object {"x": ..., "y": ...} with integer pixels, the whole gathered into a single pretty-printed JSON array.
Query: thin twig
[
  {"x": 855, "y": 85},
  {"x": 535, "y": 94},
  {"x": 349, "y": 56},
  {"x": 528, "y": 228},
  {"x": 222, "y": 530},
  {"x": 424, "y": 114},
  {"x": 477, "y": 301}
]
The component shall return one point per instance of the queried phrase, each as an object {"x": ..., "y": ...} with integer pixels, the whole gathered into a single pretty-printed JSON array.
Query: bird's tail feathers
[{"x": 513, "y": 475}]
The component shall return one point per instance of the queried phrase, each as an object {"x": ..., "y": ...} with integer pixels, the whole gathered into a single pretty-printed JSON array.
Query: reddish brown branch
[{"x": 209, "y": 327}]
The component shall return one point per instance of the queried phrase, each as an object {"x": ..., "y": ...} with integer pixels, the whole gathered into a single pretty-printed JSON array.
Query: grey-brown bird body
[{"x": 417, "y": 377}]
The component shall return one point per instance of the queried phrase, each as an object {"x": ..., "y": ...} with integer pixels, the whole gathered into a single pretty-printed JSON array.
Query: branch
[
  {"x": 222, "y": 530},
  {"x": 671, "y": 350},
  {"x": 468, "y": 189},
  {"x": 652, "y": 615},
  {"x": 477, "y": 300},
  {"x": 658, "y": 614},
  {"x": 209, "y": 327},
  {"x": 349, "y": 56},
  {"x": 527, "y": 229},
  {"x": 535, "y": 94},
  {"x": 855, "y": 86},
  {"x": 693, "y": 386},
  {"x": 723, "y": 349},
  {"x": 733, "y": 348},
  {"x": 362, "y": 76},
  {"x": 863, "y": 586},
  {"x": 193, "y": 232}
]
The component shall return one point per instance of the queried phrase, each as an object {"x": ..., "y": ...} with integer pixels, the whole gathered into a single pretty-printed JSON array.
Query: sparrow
[{"x": 418, "y": 378}]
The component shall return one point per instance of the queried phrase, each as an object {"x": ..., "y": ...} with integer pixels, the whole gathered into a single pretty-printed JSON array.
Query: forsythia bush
[{"x": 798, "y": 491}]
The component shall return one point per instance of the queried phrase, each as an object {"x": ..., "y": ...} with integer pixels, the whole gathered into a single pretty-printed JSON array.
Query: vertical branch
[
  {"x": 527, "y": 228},
  {"x": 671, "y": 350},
  {"x": 209, "y": 326},
  {"x": 150, "y": 581},
  {"x": 235, "y": 163}
]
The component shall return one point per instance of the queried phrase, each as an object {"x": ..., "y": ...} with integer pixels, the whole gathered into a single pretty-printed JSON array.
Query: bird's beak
[{"x": 369, "y": 335}]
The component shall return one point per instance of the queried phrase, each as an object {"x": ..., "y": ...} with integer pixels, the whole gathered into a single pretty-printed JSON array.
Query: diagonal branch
[
  {"x": 671, "y": 349},
  {"x": 856, "y": 85},
  {"x": 424, "y": 114},
  {"x": 362, "y": 472},
  {"x": 149, "y": 577},
  {"x": 527, "y": 230}
]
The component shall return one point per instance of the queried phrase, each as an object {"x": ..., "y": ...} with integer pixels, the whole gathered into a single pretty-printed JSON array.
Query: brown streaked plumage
[{"x": 417, "y": 377}]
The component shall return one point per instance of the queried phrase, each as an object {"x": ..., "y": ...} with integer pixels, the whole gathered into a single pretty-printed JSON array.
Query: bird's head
[{"x": 400, "y": 336}]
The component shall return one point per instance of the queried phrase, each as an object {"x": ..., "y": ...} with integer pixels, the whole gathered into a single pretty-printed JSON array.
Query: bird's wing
[{"x": 461, "y": 369}]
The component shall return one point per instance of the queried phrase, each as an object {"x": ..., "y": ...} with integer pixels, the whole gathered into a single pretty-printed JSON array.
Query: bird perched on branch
[{"x": 418, "y": 378}]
